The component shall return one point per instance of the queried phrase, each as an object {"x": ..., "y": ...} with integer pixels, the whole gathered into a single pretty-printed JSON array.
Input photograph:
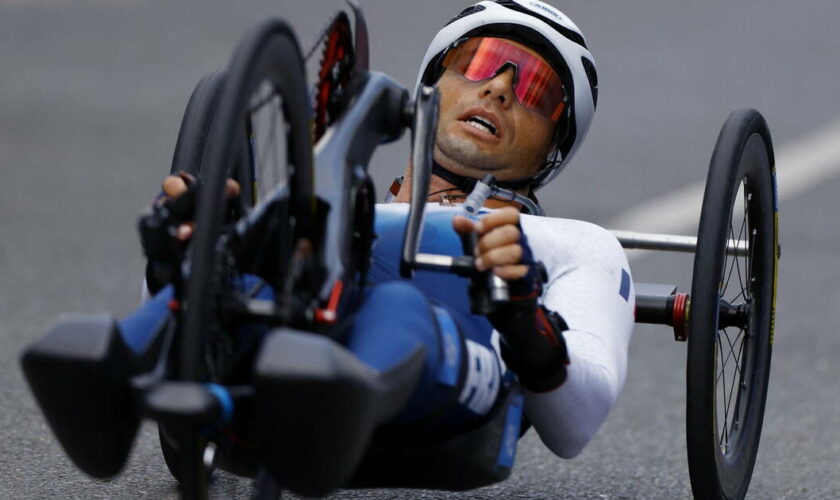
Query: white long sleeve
[{"x": 589, "y": 284}]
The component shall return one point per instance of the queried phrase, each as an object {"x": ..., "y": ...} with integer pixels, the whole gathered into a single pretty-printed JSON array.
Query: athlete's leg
[
  {"x": 461, "y": 378},
  {"x": 139, "y": 329}
]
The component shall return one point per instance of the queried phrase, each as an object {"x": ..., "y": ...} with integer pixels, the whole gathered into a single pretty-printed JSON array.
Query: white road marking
[
  {"x": 65, "y": 3},
  {"x": 800, "y": 166}
]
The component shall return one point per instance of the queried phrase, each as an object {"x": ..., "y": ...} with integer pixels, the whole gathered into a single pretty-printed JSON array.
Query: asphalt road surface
[{"x": 91, "y": 95}]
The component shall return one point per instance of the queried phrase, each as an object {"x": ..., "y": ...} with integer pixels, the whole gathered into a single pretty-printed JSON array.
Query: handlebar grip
[{"x": 499, "y": 291}]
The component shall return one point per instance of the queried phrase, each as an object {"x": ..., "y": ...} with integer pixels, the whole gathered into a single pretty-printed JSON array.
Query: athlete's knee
[
  {"x": 392, "y": 322},
  {"x": 399, "y": 309},
  {"x": 397, "y": 295}
]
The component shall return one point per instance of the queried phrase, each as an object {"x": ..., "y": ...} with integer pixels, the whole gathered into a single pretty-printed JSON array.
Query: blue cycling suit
[
  {"x": 462, "y": 373},
  {"x": 433, "y": 309},
  {"x": 589, "y": 285}
]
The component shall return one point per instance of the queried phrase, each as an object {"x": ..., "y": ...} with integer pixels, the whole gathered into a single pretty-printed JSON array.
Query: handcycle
[{"x": 221, "y": 403}]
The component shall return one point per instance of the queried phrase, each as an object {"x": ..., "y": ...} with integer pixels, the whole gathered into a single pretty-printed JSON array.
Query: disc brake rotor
[{"x": 335, "y": 71}]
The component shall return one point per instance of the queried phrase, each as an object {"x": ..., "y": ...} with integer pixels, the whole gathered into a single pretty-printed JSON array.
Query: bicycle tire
[
  {"x": 189, "y": 148},
  {"x": 269, "y": 58},
  {"x": 721, "y": 453},
  {"x": 195, "y": 125},
  {"x": 268, "y": 53}
]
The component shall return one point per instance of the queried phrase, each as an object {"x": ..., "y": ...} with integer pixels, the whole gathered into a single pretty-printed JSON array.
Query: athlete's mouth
[{"x": 482, "y": 124}]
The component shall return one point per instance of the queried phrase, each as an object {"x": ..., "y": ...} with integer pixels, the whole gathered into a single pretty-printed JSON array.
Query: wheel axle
[{"x": 674, "y": 309}]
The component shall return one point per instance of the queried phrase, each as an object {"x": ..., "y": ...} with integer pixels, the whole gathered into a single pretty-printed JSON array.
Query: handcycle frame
[{"x": 378, "y": 110}]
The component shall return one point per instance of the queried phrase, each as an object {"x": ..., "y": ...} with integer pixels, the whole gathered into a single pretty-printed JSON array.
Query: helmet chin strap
[{"x": 501, "y": 189}]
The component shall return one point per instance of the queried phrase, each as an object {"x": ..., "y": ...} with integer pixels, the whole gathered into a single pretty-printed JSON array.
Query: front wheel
[
  {"x": 260, "y": 136},
  {"x": 189, "y": 149},
  {"x": 732, "y": 311}
]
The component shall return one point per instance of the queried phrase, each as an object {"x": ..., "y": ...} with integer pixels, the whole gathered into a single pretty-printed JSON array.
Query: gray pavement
[{"x": 91, "y": 95}]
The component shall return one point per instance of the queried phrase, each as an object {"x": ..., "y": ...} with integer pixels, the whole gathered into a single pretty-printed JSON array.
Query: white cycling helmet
[{"x": 555, "y": 37}]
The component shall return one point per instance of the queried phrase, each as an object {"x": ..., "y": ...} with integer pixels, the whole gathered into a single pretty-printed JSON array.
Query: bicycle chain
[{"x": 335, "y": 71}]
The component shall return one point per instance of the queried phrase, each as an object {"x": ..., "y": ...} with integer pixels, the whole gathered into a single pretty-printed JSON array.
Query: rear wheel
[
  {"x": 732, "y": 309},
  {"x": 259, "y": 136}
]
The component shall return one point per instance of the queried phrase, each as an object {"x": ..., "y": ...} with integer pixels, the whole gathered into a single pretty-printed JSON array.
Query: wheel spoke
[
  {"x": 739, "y": 296},
  {"x": 258, "y": 139},
  {"x": 736, "y": 376},
  {"x": 751, "y": 232},
  {"x": 743, "y": 237},
  {"x": 731, "y": 264},
  {"x": 268, "y": 151},
  {"x": 724, "y": 362},
  {"x": 272, "y": 151},
  {"x": 259, "y": 104},
  {"x": 728, "y": 380},
  {"x": 735, "y": 258},
  {"x": 729, "y": 388},
  {"x": 739, "y": 359},
  {"x": 751, "y": 253},
  {"x": 724, "y": 437},
  {"x": 743, "y": 279}
]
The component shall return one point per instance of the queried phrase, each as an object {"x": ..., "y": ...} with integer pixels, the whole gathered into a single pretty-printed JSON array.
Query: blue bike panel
[
  {"x": 225, "y": 401},
  {"x": 513, "y": 421},
  {"x": 444, "y": 289}
]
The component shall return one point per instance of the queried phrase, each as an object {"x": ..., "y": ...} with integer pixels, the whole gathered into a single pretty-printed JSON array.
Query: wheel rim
[
  {"x": 260, "y": 137},
  {"x": 270, "y": 172},
  {"x": 732, "y": 310},
  {"x": 254, "y": 136},
  {"x": 261, "y": 166},
  {"x": 742, "y": 352}
]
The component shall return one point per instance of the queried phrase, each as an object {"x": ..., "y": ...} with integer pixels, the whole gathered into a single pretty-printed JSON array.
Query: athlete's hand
[
  {"x": 532, "y": 336},
  {"x": 174, "y": 186},
  {"x": 499, "y": 242}
]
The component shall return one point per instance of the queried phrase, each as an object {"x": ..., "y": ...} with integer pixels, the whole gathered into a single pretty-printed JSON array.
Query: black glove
[
  {"x": 532, "y": 336},
  {"x": 158, "y": 234},
  {"x": 159, "y": 230}
]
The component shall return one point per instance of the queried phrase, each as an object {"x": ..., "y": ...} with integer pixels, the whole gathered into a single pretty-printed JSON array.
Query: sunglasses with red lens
[{"x": 536, "y": 85}]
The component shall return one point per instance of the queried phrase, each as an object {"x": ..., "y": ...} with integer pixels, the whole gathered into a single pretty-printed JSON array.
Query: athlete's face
[{"x": 516, "y": 142}]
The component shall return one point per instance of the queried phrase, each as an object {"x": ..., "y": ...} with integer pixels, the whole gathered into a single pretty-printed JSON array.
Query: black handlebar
[
  {"x": 422, "y": 140},
  {"x": 486, "y": 289}
]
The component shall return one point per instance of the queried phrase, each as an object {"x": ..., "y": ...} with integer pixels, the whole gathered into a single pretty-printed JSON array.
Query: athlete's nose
[{"x": 501, "y": 86}]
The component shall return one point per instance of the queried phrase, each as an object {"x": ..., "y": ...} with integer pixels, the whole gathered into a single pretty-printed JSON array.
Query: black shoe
[{"x": 318, "y": 405}]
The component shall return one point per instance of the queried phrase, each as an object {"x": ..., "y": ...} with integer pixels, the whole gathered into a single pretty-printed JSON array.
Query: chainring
[{"x": 334, "y": 74}]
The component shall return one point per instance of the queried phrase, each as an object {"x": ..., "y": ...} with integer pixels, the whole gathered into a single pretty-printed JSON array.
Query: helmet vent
[
  {"x": 570, "y": 34},
  {"x": 466, "y": 12},
  {"x": 592, "y": 76}
]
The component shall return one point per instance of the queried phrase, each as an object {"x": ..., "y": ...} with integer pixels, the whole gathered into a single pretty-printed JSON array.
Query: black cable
[{"x": 442, "y": 191}]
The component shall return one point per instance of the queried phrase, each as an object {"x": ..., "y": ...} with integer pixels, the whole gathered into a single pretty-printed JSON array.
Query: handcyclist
[{"x": 518, "y": 91}]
